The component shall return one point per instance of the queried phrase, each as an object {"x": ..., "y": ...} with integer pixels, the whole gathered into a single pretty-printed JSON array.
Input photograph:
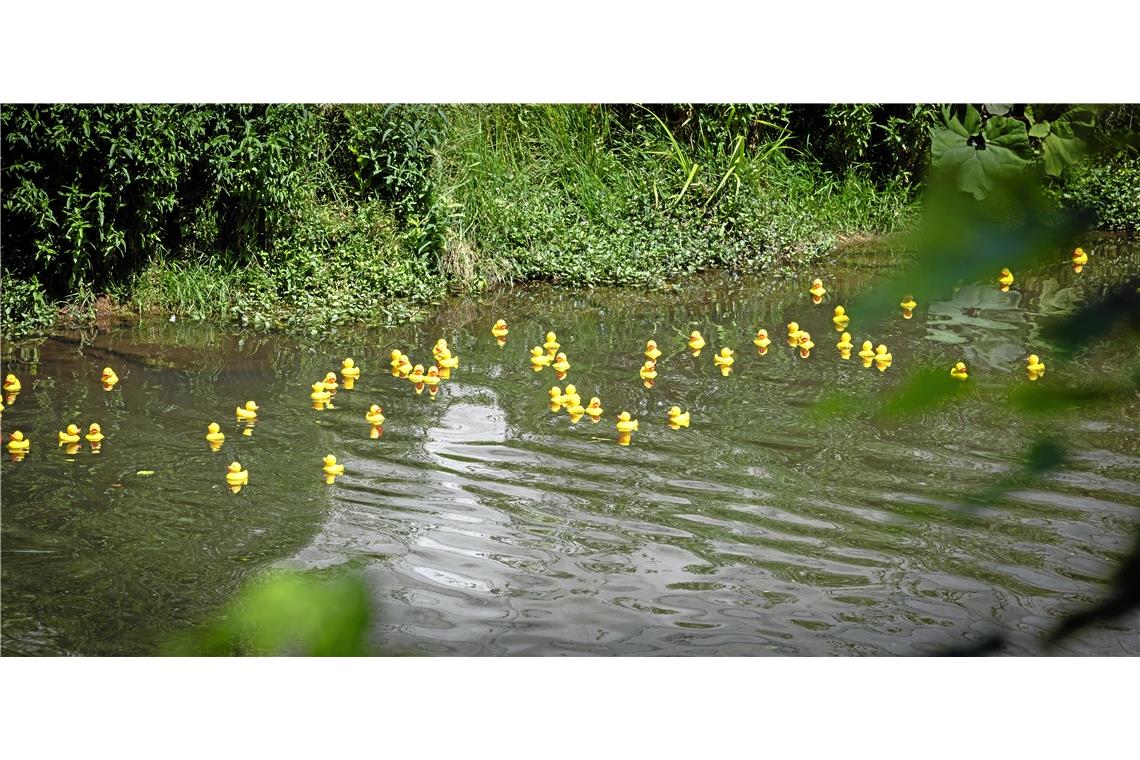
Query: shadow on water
[{"x": 482, "y": 523}]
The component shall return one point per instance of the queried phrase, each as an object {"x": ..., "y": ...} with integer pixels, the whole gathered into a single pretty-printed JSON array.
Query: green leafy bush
[
  {"x": 24, "y": 307},
  {"x": 1107, "y": 188}
]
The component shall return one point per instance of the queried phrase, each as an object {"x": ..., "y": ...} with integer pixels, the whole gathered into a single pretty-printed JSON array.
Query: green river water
[{"x": 484, "y": 524}]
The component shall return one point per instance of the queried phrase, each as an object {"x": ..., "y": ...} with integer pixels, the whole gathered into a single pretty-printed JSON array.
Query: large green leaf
[
  {"x": 1067, "y": 139},
  {"x": 976, "y": 160}
]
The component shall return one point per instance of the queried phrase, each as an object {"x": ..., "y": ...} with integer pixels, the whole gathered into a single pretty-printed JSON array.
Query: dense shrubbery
[{"x": 294, "y": 217}]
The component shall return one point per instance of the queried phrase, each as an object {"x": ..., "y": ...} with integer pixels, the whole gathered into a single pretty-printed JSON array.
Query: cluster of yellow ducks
[{"x": 546, "y": 355}]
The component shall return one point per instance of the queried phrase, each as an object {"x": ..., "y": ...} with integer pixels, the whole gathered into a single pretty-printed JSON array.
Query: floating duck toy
[
  {"x": 648, "y": 372},
  {"x": 320, "y": 397},
  {"x": 883, "y": 359},
  {"x": 793, "y": 334},
  {"x": 677, "y": 418},
  {"x": 594, "y": 410},
  {"x": 561, "y": 366},
  {"x": 867, "y": 354},
  {"x": 570, "y": 396},
  {"x": 1005, "y": 280},
  {"x": 214, "y": 436},
  {"x": 330, "y": 382},
  {"x": 109, "y": 378},
  {"x": 375, "y": 418},
  {"x": 761, "y": 341},
  {"x": 575, "y": 411},
  {"x": 908, "y": 305},
  {"x": 18, "y": 445},
  {"x": 12, "y": 384},
  {"x": 1080, "y": 258},
  {"x": 724, "y": 360},
  {"x": 446, "y": 365},
  {"x": 958, "y": 371},
  {"x": 844, "y": 345},
  {"x": 431, "y": 380},
  {"x": 94, "y": 436},
  {"x": 840, "y": 319},
  {"x": 651, "y": 350},
  {"x": 555, "y": 398},
  {"x": 539, "y": 359},
  {"x": 500, "y": 331},
  {"x": 817, "y": 291},
  {"x": 332, "y": 469},
  {"x": 440, "y": 350},
  {"x": 71, "y": 435},
  {"x": 625, "y": 428},
  {"x": 405, "y": 367},
  {"x": 398, "y": 359},
  {"x": 1034, "y": 366},
  {"x": 249, "y": 412},
  {"x": 696, "y": 342},
  {"x": 236, "y": 477},
  {"x": 806, "y": 344},
  {"x": 417, "y": 378},
  {"x": 551, "y": 345},
  {"x": 349, "y": 369}
]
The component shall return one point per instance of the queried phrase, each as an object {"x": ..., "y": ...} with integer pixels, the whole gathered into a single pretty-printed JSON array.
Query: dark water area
[{"x": 485, "y": 524}]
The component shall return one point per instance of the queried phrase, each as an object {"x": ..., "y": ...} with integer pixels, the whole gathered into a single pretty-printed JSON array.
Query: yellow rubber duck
[
  {"x": 71, "y": 435},
  {"x": 440, "y": 350},
  {"x": 1005, "y": 280},
  {"x": 793, "y": 334},
  {"x": 18, "y": 445},
  {"x": 214, "y": 436},
  {"x": 840, "y": 319},
  {"x": 867, "y": 354},
  {"x": 431, "y": 380},
  {"x": 806, "y": 344},
  {"x": 332, "y": 469},
  {"x": 236, "y": 477},
  {"x": 249, "y": 412},
  {"x": 883, "y": 359},
  {"x": 12, "y": 384},
  {"x": 94, "y": 436},
  {"x": 651, "y": 350},
  {"x": 625, "y": 424},
  {"x": 844, "y": 345},
  {"x": 405, "y": 367},
  {"x": 349, "y": 369},
  {"x": 555, "y": 398},
  {"x": 677, "y": 418},
  {"x": 398, "y": 359},
  {"x": 319, "y": 396},
  {"x": 570, "y": 396},
  {"x": 1034, "y": 366},
  {"x": 561, "y": 366},
  {"x": 446, "y": 365},
  {"x": 375, "y": 415},
  {"x": 761, "y": 341},
  {"x": 958, "y": 371},
  {"x": 696, "y": 342},
  {"x": 500, "y": 330},
  {"x": 551, "y": 345},
  {"x": 648, "y": 370},
  {"x": 1080, "y": 258},
  {"x": 416, "y": 377},
  {"x": 724, "y": 360},
  {"x": 575, "y": 411},
  {"x": 108, "y": 378},
  {"x": 539, "y": 359},
  {"x": 594, "y": 410},
  {"x": 908, "y": 305},
  {"x": 817, "y": 291},
  {"x": 330, "y": 382}
]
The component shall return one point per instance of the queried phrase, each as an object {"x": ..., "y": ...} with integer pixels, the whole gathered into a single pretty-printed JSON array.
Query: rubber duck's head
[
  {"x": 650, "y": 364},
  {"x": 561, "y": 356},
  {"x": 329, "y": 459},
  {"x": 570, "y": 390},
  {"x": 500, "y": 324},
  {"x": 72, "y": 429},
  {"x": 94, "y": 428},
  {"x": 1033, "y": 359},
  {"x": 595, "y": 402},
  {"x": 108, "y": 372},
  {"x": 650, "y": 345},
  {"x": 433, "y": 371},
  {"x": 866, "y": 345},
  {"x": 418, "y": 369},
  {"x": 692, "y": 336},
  {"x": 555, "y": 391},
  {"x": 623, "y": 417},
  {"x": 12, "y": 378},
  {"x": 793, "y": 327},
  {"x": 880, "y": 349},
  {"x": 726, "y": 352},
  {"x": 395, "y": 354},
  {"x": 960, "y": 367},
  {"x": 374, "y": 409},
  {"x": 817, "y": 283},
  {"x": 840, "y": 311},
  {"x": 674, "y": 411},
  {"x": 318, "y": 386},
  {"x": 348, "y": 363},
  {"x": 845, "y": 337},
  {"x": 551, "y": 337},
  {"x": 251, "y": 406},
  {"x": 761, "y": 333},
  {"x": 211, "y": 428},
  {"x": 330, "y": 377},
  {"x": 234, "y": 467},
  {"x": 16, "y": 436},
  {"x": 537, "y": 351},
  {"x": 442, "y": 342}
]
